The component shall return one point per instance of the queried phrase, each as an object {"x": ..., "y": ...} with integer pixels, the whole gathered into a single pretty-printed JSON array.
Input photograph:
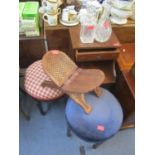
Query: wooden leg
[
  {"x": 25, "y": 114},
  {"x": 82, "y": 150},
  {"x": 98, "y": 91},
  {"x": 41, "y": 109},
  {"x": 49, "y": 105},
  {"x": 94, "y": 146},
  {"x": 25, "y": 110},
  {"x": 68, "y": 131}
]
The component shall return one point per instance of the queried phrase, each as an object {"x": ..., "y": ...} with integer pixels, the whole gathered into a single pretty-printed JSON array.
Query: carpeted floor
[{"x": 46, "y": 135}]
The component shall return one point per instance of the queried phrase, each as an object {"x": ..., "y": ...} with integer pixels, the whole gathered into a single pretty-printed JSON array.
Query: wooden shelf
[
  {"x": 57, "y": 27},
  {"x": 108, "y": 67},
  {"x": 23, "y": 37},
  {"x": 31, "y": 48},
  {"x": 125, "y": 33},
  {"x": 42, "y": 34}
]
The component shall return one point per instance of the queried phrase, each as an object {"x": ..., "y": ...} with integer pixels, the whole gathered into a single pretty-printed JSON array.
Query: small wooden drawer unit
[
  {"x": 95, "y": 55},
  {"x": 84, "y": 52}
]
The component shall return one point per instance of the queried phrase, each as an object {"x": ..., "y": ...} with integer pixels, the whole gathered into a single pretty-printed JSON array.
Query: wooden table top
[
  {"x": 74, "y": 31},
  {"x": 130, "y": 23},
  {"x": 113, "y": 42}
]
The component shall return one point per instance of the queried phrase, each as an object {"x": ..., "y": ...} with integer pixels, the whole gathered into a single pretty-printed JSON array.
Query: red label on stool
[{"x": 100, "y": 128}]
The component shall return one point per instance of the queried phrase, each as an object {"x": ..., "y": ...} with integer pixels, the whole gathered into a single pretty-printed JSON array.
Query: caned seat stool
[
  {"x": 34, "y": 78},
  {"x": 101, "y": 123}
]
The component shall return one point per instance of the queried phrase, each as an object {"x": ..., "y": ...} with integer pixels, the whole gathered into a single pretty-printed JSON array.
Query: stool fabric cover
[
  {"x": 104, "y": 120},
  {"x": 34, "y": 77}
]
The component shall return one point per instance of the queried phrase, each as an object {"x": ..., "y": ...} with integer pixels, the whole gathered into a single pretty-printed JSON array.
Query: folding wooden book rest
[{"x": 69, "y": 78}]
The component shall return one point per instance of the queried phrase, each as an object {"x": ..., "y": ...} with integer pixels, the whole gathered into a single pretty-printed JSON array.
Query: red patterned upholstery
[{"x": 33, "y": 80}]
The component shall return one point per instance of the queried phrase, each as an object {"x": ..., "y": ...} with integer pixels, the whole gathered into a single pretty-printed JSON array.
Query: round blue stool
[{"x": 102, "y": 122}]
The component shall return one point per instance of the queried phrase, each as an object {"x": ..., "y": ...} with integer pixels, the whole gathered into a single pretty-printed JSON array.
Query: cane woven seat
[
  {"x": 71, "y": 79},
  {"x": 34, "y": 78}
]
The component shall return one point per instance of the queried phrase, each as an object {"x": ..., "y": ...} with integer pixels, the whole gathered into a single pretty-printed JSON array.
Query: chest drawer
[{"x": 96, "y": 55}]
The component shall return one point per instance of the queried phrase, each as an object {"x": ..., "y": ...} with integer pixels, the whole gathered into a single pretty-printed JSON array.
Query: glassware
[
  {"x": 87, "y": 32},
  {"x": 103, "y": 27},
  {"x": 94, "y": 7}
]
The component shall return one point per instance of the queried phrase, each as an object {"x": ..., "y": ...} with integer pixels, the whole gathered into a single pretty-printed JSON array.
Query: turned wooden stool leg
[
  {"x": 98, "y": 91},
  {"x": 82, "y": 150},
  {"x": 41, "y": 109},
  {"x": 49, "y": 106}
]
